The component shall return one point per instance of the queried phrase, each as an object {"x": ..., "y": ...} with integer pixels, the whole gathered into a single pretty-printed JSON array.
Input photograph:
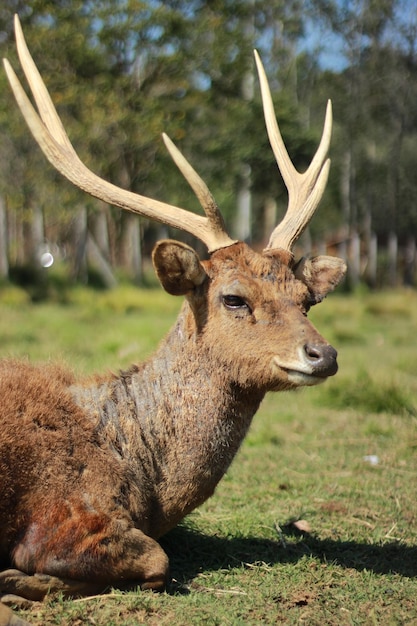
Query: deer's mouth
[
  {"x": 310, "y": 369},
  {"x": 303, "y": 379},
  {"x": 298, "y": 375}
]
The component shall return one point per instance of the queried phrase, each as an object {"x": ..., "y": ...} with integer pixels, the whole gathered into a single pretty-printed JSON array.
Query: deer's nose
[{"x": 322, "y": 358}]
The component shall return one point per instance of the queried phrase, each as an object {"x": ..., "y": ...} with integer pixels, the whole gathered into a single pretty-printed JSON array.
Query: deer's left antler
[{"x": 304, "y": 190}]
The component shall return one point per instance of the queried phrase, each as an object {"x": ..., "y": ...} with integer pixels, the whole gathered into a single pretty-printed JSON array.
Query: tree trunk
[
  {"x": 354, "y": 267},
  {"x": 410, "y": 262},
  {"x": 244, "y": 202},
  {"x": 130, "y": 246},
  {"x": 243, "y": 225},
  {"x": 4, "y": 263},
  {"x": 392, "y": 259},
  {"x": 345, "y": 179},
  {"x": 33, "y": 236},
  {"x": 79, "y": 245},
  {"x": 372, "y": 264},
  {"x": 100, "y": 231},
  {"x": 96, "y": 260},
  {"x": 270, "y": 219},
  {"x": 371, "y": 246}
]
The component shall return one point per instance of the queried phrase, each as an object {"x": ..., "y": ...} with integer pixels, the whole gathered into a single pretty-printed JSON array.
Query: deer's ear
[
  {"x": 178, "y": 267},
  {"x": 321, "y": 274}
]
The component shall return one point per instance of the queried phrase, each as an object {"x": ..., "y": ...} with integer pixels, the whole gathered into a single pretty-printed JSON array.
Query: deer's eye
[{"x": 234, "y": 303}]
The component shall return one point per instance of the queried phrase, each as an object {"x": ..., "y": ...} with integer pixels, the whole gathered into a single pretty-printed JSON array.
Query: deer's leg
[
  {"x": 8, "y": 618},
  {"x": 85, "y": 554},
  {"x": 16, "y": 587}
]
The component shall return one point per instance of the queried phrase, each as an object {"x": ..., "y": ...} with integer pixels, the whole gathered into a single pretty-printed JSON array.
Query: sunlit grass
[{"x": 341, "y": 456}]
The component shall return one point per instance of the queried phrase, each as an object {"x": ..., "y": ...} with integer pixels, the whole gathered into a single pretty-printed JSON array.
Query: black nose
[{"x": 322, "y": 358}]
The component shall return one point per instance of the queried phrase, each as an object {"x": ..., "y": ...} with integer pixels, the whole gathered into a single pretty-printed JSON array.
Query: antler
[
  {"x": 50, "y": 134},
  {"x": 304, "y": 190}
]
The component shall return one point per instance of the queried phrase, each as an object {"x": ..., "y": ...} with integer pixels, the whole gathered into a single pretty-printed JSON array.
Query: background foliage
[{"x": 122, "y": 72}]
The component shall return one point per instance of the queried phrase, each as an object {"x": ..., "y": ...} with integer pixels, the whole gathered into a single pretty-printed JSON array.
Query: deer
[{"x": 94, "y": 471}]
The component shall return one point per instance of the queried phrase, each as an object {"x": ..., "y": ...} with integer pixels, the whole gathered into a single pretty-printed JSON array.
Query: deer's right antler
[{"x": 50, "y": 134}]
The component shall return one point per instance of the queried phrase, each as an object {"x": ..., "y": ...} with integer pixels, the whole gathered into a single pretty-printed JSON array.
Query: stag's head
[{"x": 243, "y": 302}]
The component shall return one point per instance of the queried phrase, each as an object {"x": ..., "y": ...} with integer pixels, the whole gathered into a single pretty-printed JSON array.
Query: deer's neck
[{"x": 177, "y": 419}]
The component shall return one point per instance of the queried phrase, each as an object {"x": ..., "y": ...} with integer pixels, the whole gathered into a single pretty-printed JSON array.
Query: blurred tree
[
  {"x": 121, "y": 72},
  {"x": 376, "y": 144}
]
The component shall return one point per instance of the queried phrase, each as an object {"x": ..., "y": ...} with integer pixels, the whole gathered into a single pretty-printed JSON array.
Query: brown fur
[{"x": 93, "y": 472}]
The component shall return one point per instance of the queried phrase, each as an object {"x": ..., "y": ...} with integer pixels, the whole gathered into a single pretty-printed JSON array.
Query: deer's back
[{"x": 50, "y": 453}]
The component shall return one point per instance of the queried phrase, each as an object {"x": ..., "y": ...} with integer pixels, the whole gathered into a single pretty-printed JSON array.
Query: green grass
[{"x": 240, "y": 559}]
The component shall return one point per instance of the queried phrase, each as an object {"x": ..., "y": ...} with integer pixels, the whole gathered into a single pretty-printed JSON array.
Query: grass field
[{"x": 316, "y": 521}]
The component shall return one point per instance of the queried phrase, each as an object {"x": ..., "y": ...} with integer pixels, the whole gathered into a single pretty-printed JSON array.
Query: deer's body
[
  {"x": 86, "y": 464},
  {"x": 93, "y": 472}
]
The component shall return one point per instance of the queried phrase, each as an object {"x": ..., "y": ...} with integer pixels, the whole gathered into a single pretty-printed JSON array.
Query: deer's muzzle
[{"x": 322, "y": 359}]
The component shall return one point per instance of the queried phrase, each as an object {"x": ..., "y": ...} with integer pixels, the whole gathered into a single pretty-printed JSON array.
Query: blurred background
[{"x": 122, "y": 72}]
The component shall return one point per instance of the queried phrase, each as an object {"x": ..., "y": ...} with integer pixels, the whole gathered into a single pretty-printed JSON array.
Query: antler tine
[
  {"x": 198, "y": 185},
  {"x": 304, "y": 189},
  {"x": 49, "y": 133},
  {"x": 40, "y": 93}
]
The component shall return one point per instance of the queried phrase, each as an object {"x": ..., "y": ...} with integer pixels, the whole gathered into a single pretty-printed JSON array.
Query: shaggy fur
[{"x": 93, "y": 472}]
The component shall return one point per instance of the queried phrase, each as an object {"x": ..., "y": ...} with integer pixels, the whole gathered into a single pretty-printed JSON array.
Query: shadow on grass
[{"x": 191, "y": 552}]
